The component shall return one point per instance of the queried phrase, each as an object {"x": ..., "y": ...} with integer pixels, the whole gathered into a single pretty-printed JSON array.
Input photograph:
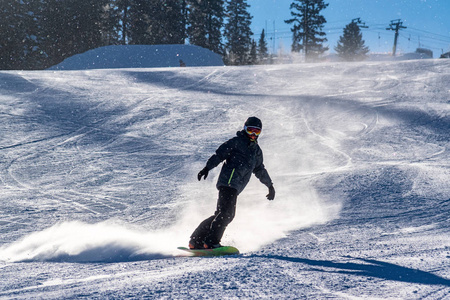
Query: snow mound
[{"x": 141, "y": 56}]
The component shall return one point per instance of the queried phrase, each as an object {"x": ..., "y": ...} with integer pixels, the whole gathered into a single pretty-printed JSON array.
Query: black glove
[
  {"x": 203, "y": 172},
  {"x": 271, "y": 194}
]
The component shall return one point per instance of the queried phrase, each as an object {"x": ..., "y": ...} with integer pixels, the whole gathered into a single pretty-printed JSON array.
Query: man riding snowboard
[{"x": 242, "y": 156}]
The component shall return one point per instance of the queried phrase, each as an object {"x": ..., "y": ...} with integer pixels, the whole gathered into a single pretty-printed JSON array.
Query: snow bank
[{"x": 141, "y": 56}]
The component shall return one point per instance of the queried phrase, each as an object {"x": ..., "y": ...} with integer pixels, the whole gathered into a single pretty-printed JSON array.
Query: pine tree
[
  {"x": 70, "y": 27},
  {"x": 139, "y": 18},
  {"x": 263, "y": 52},
  {"x": 8, "y": 45},
  {"x": 174, "y": 20},
  {"x": 350, "y": 46},
  {"x": 113, "y": 30},
  {"x": 205, "y": 19},
  {"x": 153, "y": 22},
  {"x": 120, "y": 17},
  {"x": 253, "y": 55},
  {"x": 238, "y": 33},
  {"x": 19, "y": 38},
  {"x": 308, "y": 34}
]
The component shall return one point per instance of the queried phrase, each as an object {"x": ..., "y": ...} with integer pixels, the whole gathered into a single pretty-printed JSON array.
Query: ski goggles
[{"x": 252, "y": 130}]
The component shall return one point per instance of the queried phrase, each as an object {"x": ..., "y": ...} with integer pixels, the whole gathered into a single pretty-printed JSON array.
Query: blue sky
[{"x": 427, "y": 22}]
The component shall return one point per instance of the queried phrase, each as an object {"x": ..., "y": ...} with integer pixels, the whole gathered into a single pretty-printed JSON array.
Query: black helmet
[
  {"x": 254, "y": 122},
  {"x": 252, "y": 128}
]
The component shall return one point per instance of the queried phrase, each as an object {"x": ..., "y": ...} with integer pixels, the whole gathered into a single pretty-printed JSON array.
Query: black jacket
[{"x": 242, "y": 158}]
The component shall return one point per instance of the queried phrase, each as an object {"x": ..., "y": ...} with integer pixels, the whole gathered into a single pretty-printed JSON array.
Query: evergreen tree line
[
  {"x": 39, "y": 34},
  {"x": 308, "y": 35}
]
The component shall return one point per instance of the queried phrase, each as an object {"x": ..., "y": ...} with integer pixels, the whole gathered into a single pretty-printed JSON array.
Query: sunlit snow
[{"x": 98, "y": 181}]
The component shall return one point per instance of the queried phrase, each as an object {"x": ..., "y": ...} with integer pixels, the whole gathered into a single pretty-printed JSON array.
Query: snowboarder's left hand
[{"x": 271, "y": 194}]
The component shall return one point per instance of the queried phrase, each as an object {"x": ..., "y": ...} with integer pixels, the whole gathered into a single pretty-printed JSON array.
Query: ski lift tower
[{"x": 395, "y": 25}]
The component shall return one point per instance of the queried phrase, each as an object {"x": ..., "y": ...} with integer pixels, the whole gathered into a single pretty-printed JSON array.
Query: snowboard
[{"x": 221, "y": 251}]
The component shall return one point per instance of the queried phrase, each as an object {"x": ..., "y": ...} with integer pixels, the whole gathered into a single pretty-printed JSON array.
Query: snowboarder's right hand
[
  {"x": 271, "y": 194},
  {"x": 204, "y": 172}
]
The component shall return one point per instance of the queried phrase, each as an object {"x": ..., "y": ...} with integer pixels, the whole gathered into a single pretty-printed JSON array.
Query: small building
[{"x": 427, "y": 52}]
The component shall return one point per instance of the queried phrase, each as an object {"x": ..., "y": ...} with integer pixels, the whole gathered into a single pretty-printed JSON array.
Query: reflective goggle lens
[{"x": 253, "y": 130}]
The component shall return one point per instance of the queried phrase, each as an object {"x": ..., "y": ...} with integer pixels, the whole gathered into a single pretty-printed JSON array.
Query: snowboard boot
[
  {"x": 195, "y": 244},
  {"x": 211, "y": 246}
]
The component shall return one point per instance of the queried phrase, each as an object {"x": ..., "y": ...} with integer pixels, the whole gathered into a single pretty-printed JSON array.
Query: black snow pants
[{"x": 211, "y": 230}]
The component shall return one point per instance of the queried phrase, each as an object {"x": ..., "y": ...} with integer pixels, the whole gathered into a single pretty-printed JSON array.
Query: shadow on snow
[{"x": 368, "y": 268}]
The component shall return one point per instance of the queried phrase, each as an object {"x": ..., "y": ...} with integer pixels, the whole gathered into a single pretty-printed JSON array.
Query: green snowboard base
[{"x": 221, "y": 251}]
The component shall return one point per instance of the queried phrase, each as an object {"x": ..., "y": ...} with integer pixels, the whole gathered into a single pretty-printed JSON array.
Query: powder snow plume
[
  {"x": 81, "y": 242},
  {"x": 258, "y": 222}
]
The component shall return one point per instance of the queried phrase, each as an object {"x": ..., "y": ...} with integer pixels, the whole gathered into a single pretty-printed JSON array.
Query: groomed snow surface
[{"x": 98, "y": 182}]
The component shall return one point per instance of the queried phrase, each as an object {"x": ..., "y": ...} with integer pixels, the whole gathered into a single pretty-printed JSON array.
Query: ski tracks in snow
[{"x": 127, "y": 149}]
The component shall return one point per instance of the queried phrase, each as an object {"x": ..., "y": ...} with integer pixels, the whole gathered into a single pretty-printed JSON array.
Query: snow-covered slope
[
  {"x": 98, "y": 182},
  {"x": 141, "y": 56}
]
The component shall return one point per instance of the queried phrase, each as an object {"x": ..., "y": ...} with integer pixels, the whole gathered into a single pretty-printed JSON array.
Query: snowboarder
[{"x": 242, "y": 156}]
